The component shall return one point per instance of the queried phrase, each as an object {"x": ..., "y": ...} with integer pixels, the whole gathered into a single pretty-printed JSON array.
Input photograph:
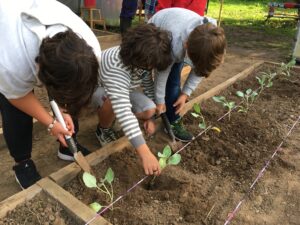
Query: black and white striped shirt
[{"x": 118, "y": 81}]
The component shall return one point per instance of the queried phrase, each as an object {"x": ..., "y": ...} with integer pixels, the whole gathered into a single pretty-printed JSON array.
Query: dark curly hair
[
  {"x": 146, "y": 47},
  {"x": 206, "y": 47},
  {"x": 68, "y": 68}
]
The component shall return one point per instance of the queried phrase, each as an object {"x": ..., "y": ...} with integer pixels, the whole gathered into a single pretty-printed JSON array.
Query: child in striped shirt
[{"x": 124, "y": 70}]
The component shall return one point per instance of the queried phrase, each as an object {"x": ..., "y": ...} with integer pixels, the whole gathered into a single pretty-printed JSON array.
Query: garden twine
[{"x": 260, "y": 174}]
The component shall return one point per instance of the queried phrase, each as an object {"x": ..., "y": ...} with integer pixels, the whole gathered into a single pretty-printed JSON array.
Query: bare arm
[{"x": 30, "y": 105}]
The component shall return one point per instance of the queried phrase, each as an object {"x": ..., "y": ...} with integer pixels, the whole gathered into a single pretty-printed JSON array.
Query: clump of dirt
[{"x": 40, "y": 210}]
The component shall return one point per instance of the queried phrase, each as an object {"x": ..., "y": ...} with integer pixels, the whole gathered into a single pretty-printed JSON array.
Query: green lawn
[{"x": 251, "y": 14}]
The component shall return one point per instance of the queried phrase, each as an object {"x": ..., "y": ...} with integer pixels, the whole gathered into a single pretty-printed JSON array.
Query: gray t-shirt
[{"x": 23, "y": 26}]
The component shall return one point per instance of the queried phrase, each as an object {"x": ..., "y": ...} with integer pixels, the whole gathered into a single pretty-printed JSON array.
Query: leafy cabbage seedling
[{"x": 90, "y": 181}]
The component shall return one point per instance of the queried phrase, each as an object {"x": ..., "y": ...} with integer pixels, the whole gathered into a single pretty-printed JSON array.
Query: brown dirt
[
  {"x": 206, "y": 185},
  {"x": 40, "y": 210},
  {"x": 216, "y": 169}
]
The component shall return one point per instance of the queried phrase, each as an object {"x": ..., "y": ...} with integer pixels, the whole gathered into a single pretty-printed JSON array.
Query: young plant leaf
[
  {"x": 160, "y": 155},
  {"x": 202, "y": 126},
  {"x": 254, "y": 94},
  {"x": 270, "y": 84},
  {"x": 109, "y": 176},
  {"x": 218, "y": 98},
  {"x": 248, "y": 91},
  {"x": 217, "y": 129},
  {"x": 240, "y": 94},
  {"x": 95, "y": 206},
  {"x": 174, "y": 159},
  {"x": 242, "y": 110},
  {"x": 197, "y": 108},
  {"x": 89, "y": 180},
  {"x": 167, "y": 152},
  {"x": 162, "y": 162},
  {"x": 231, "y": 104},
  {"x": 195, "y": 115}
]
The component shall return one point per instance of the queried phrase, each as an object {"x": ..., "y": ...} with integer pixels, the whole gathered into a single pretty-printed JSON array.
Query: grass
[
  {"x": 245, "y": 26},
  {"x": 251, "y": 14}
]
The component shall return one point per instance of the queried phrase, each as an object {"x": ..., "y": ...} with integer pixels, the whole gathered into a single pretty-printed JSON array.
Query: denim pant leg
[
  {"x": 17, "y": 130},
  {"x": 173, "y": 91}
]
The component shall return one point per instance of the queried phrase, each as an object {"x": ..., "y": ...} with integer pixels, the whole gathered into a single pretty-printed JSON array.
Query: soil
[
  {"x": 206, "y": 186},
  {"x": 217, "y": 168},
  {"x": 41, "y": 210}
]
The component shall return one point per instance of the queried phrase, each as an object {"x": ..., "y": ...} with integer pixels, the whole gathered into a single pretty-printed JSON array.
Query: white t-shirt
[{"x": 22, "y": 28}]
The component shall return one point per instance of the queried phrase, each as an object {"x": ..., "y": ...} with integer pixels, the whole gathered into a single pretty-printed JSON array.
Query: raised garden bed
[
  {"x": 217, "y": 169},
  {"x": 45, "y": 203}
]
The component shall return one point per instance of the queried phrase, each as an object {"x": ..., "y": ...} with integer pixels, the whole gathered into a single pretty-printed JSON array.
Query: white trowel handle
[
  {"x": 70, "y": 141},
  {"x": 58, "y": 116}
]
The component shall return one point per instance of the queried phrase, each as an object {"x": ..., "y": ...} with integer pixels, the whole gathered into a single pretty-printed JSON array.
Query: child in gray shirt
[{"x": 196, "y": 40}]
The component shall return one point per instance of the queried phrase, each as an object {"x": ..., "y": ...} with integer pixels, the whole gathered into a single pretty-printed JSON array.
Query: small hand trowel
[
  {"x": 79, "y": 158},
  {"x": 174, "y": 145}
]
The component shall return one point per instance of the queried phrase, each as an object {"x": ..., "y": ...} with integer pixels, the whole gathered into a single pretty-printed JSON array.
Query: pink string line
[{"x": 260, "y": 174}]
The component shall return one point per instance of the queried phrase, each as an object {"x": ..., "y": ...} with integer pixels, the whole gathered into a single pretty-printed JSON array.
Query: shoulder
[
  {"x": 111, "y": 57},
  {"x": 111, "y": 61}
]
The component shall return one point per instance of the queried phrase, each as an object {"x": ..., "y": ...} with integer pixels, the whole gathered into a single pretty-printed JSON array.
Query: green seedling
[
  {"x": 247, "y": 99},
  {"x": 229, "y": 105},
  {"x": 90, "y": 181},
  {"x": 265, "y": 80},
  {"x": 285, "y": 69},
  {"x": 166, "y": 158},
  {"x": 198, "y": 114}
]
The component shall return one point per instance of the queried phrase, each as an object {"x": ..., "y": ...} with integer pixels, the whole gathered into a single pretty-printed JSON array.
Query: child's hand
[
  {"x": 180, "y": 103},
  {"x": 160, "y": 108},
  {"x": 149, "y": 126},
  {"x": 69, "y": 122},
  {"x": 150, "y": 163},
  {"x": 59, "y": 132}
]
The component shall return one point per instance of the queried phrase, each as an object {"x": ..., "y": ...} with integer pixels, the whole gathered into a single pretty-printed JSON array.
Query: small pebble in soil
[
  {"x": 258, "y": 200},
  {"x": 166, "y": 196},
  {"x": 51, "y": 217}
]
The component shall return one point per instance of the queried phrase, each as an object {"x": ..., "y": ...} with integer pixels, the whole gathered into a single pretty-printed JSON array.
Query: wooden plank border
[
  {"x": 75, "y": 207},
  {"x": 66, "y": 174}
]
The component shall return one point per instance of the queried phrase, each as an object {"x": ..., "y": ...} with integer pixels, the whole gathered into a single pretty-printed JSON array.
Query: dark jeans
[
  {"x": 125, "y": 23},
  {"x": 173, "y": 91},
  {"x": 17, "y": 130}
]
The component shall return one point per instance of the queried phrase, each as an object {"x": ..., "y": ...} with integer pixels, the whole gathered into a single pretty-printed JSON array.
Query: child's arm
[
  {"x": 191, "y": 83},
  {"x": 30, "y": 105},
  {"x": 160, "y": 82},
  {"x": 117, "y": 86}
]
